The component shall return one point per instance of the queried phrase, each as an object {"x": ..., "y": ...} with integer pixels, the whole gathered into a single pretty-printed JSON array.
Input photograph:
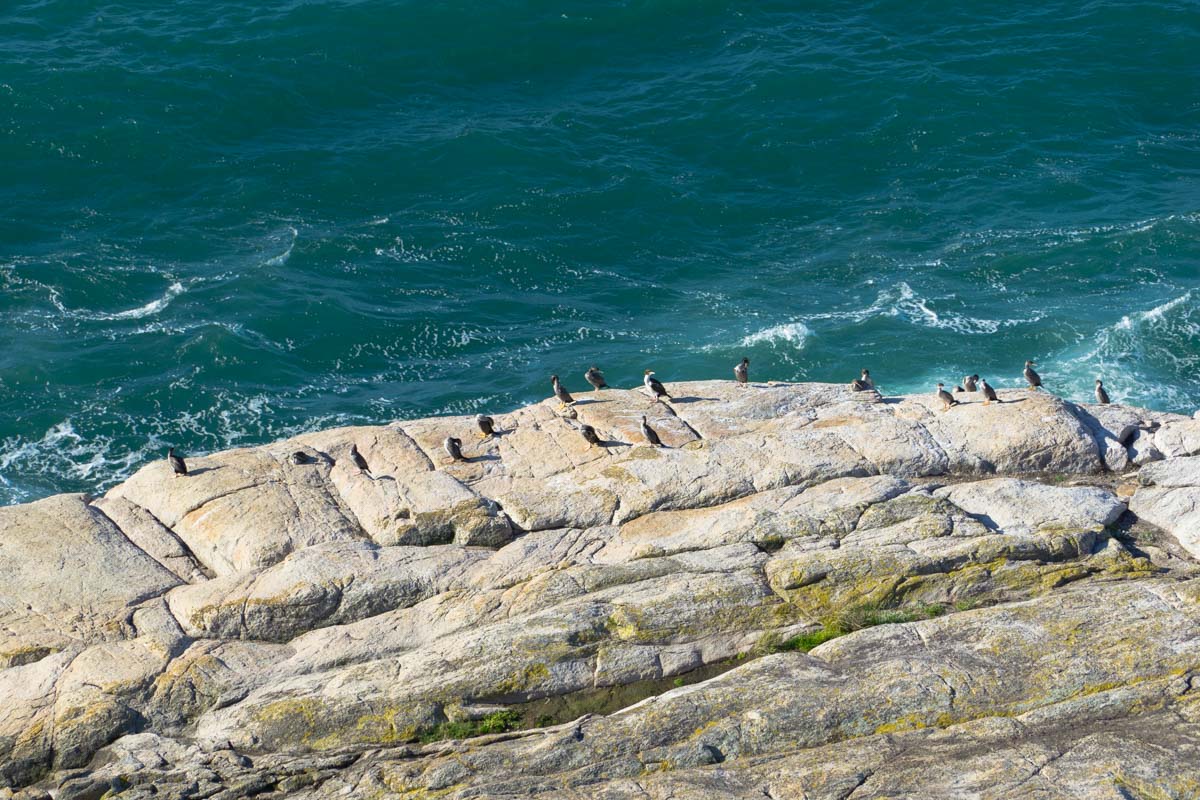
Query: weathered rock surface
[{"x": 994, "y": 622}]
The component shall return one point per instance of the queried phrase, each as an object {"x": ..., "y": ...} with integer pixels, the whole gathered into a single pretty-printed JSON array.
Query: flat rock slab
[
  {"x": 322, "y": 585},
  {"x": 68, "y": 577},
  {"x": 244, "y": 509},
  {"x": 1020, "y": 506}
]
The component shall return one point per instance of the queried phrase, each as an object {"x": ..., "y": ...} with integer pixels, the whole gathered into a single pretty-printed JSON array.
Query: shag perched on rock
[
  {"x": 589, "y": 434},
  {"x": 946, "y": 398},
  {"x": 650, "y": 434},
  {"x": 657, "y": 390},
  {"x": 487, "y": 426},
  {"x": 564, "y": 397},
  {"x": 863, "y": 382},
  {"x": 453, "y": 448},
  {"x": 596, "y": 378},
  {"x": 176, "y": 462},
  {"x": 1101, "y": 395},
  {"x": 989, "y": 394},
  {"x": 300, "y": 457},
  {"x": 359, "y": 461},
  {"x": 741, "y": 372},
  {"x": 1032, "y": 378},
  {"x": 970, "y": 383}
]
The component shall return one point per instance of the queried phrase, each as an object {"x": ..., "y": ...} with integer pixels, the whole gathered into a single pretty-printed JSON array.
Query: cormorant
[
  {"x": 1032, "y": 377},
  {"x": 589, "y": 434},
  {"x": 487, "y": 426},
  {"x": 564, "y": 397},
  {"x": 596, "y": 378},
  {"x": 741, "y": 372},
  {"x": 946, "y": 398},
  {"x": 989, "y": 394},
  {"x": 453, "y": 448},
  {"x": 863, "y": 382},
  {"x": 359, "y": 461},
  {"x": 969, "y": 383},
  {"x": 176, "y": 462},
  {"x": 657, "y": 390},
  {"x": 1101, "y": 395},
  {"x": 650, "y": 434}
]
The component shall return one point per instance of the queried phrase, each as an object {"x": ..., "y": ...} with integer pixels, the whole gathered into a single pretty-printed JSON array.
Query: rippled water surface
[{"x": 219, "y": 226}]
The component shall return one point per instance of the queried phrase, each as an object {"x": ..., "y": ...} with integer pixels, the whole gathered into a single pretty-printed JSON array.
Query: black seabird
[
  {"x": 969, "y": 383},
  {"x": 989, "y": 394},
  {"x": 596, "y": 378},
  {"x": 589, "y": 434},
  {"x": 1101, "y": 395},
  {"x": 359, "y": 461},
  {"x": 863, "y": 382},
  {"x": 453, "y": 448},
  {"x": 300, "y": 457},
  {"x": 487, "y": 425},
  {"x": 657, "y": 390},
  {"x": 176, "y": 462},
  {"x": 946, "y": 398},
  {"x": 741, "y": 372},
  {"x": 1032, "y": 378},
  {"x": 564, "y": 397},
  {"x": 650, "y": 434}
]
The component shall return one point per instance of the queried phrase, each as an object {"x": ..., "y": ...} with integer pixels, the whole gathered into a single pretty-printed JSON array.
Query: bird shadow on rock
[
  {"x": 693, "y": 399},
  {"x": 587, "y": 401},
  {"x": 485, "y": 457},
  {"x": 615, "y": 443},
  {"x": 191, "y": 473}
]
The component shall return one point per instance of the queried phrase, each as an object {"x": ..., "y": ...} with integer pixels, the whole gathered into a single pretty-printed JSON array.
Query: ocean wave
[
  {"x": 1055, "y": 235},
  {"x": 149, "y": 309},
  {"x": 282, "y": 258},
  {"x": 793, "y": 333},
  {"x": 901, "y": 301},
  {"x": 1130, "y": 353}
]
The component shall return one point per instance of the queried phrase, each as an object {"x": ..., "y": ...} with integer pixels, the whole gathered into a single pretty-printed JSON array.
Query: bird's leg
[{"x": 483, "y": 437}]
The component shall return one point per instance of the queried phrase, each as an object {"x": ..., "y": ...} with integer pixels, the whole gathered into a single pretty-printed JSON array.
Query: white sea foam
[
  {"x": 153, "y": 307},
  {"x": 282, "y": 258},
  {"x": 901, "y": 301},
  {"x": 794, "y": 333}
]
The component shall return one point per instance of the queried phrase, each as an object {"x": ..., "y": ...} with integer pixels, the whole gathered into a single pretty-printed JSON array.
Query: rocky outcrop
[{"x": 806, "y": 592}]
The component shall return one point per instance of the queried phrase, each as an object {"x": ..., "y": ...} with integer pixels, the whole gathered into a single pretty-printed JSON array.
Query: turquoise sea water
[{"x": 219, "y": 226}]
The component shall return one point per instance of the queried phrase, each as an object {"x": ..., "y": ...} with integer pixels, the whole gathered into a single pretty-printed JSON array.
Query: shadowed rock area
[{"x": 808, "y": 592}]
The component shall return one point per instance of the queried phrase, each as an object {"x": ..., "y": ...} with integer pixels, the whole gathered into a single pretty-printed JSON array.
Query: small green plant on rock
[
  {"x": 854, "y": 619},
  {"x": 495, "y": 722}
]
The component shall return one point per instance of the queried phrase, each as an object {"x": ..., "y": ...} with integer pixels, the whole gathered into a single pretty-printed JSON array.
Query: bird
[
  {"x": 589, "y": 434},
  {"x": 863, "y": 382},
  {"x": 359, "y": 461},
  {"x": 969, "y": 383},
  {"x": 453, "y": 448},
  {"x": 1032, "y": 377},
  {"x": 487, "y": 426},
  {"x": 657, "y": 390},
  {"x": 300, "y": 457},
  {"x": 1101, "y": 395},
  {"x": 989, "y": 394},
  {"x": 741, "y": 372},
  {"x": 958, "y": 389},
  {"x": 946, "y": 398},
  {"x": 176, "y": 462},
  {"x": 650, "y": 434},
  {"x": 596, "y": 378},
  {"x": 564, "y": 397}
]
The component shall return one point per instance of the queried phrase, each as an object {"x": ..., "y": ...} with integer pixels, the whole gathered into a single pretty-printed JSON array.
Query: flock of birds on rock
[{"x": 658, "y": 393}]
